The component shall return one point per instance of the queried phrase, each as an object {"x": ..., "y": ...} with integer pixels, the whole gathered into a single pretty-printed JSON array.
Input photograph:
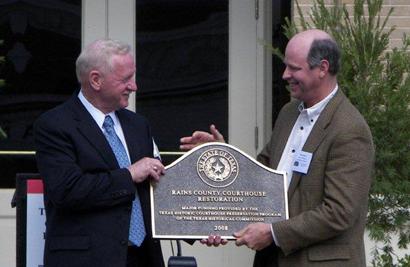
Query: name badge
[{"x": 302, "y": 162}]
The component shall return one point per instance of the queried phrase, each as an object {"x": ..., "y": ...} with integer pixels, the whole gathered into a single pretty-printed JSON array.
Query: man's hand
[
  {"x": 146, "y": 167},
  {"x": 255, "y": 236},
  {"x": 200, "y": 137},
  {"x": 214, "y": 240}
]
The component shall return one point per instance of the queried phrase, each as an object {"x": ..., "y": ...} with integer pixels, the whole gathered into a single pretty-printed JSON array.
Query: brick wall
[{"x": 400, "y": 16}]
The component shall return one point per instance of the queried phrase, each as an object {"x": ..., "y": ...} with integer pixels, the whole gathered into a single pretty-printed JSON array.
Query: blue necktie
[{"x": 137, "y": 228}]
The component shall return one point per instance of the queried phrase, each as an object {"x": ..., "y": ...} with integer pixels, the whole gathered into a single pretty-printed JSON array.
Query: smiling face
[
  {"x": 117, "y": 83},
  {"x": 303, "y": 81},
  {"x": 309, "y": 83}
]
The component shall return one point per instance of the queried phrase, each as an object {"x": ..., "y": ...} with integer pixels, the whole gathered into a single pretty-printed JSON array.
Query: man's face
[
  {"x": 302, "y": 80},
  {"x": 118, "y": 84}
]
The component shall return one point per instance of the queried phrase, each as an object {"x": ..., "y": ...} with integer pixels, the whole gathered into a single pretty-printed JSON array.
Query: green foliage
[
  {"x": 3, "y": 134},
  {"x": 377, "y": 81}
]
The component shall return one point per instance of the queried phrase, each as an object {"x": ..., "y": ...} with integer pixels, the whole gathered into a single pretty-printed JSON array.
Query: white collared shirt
[{"x": 99, "y": 117}]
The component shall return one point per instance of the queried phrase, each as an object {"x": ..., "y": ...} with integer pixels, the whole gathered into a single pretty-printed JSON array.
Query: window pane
[
  {"x": 182, "y": 67},
  {"x": 41, "y": 40}
]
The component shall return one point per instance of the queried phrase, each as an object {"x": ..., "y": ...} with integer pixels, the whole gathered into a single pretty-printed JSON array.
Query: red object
[{"x": 34, "y": 186}]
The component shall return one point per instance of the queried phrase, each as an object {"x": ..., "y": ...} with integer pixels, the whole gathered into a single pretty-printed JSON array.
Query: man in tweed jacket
[{"x": 328, "y": 198}]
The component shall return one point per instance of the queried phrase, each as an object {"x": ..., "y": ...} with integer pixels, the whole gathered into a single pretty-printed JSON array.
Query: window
[{"x": 41, "y": 41}]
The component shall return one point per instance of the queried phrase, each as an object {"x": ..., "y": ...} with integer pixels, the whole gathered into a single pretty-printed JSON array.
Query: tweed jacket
[{"x": 328, "y": 205}]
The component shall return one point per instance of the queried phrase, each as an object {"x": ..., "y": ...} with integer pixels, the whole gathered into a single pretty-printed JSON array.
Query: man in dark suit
[
  {"x": 96, "y": 159},
  {"x": 328, "y": 198}
]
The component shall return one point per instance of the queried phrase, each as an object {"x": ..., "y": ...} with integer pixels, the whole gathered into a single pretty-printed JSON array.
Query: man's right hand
[
  {"x": 200, "y": 137},
  {"x": 213, "y": 240},
  {"x": 144, "y": 168}
]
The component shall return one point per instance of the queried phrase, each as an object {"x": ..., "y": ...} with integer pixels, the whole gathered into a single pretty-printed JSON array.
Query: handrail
[{"x": 18, "y": 153}]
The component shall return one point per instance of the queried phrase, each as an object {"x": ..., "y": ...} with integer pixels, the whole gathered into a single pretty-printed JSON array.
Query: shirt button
[
  {"x": 301, "y": 127},
  {"x": 124, "y": 242},
  {"x": 293, "y": 151}
]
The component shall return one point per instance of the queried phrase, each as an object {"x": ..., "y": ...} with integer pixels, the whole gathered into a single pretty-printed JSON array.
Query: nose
[
  {"x": 132, "y": 86},
  {"x": 286, "y": 74}
]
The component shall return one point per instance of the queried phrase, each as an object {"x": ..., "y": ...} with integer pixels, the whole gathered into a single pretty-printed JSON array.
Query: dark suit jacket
[
  {"x": 328, "y": 205},
  {"x": 87, "y": 196}
]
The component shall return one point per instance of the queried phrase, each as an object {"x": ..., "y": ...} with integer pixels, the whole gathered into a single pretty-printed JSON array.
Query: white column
[
  {"x": 250, "y": 90},
  {"x": 8, "y": 229},
  {"x": 242, "y": 75},
  {"x": 94, "y": 20}
]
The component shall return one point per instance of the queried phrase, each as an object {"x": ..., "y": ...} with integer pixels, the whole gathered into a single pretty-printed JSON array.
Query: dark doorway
[
  {"x": 182, "y": 67},
  {"x": 281, "y": 9}
]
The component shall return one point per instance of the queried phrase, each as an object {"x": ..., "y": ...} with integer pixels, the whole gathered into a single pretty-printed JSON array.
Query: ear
[
  {"x": 95, "y": 78},
  {"x": 323, "y": 68}
]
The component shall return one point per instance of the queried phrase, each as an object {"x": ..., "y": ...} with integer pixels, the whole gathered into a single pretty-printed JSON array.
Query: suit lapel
[
  {"x": 284, "y": 134},
  {"x": 131, "y": 135},
  {"x": 87, "y": 126},
  {"x": 317, "y": 135}
]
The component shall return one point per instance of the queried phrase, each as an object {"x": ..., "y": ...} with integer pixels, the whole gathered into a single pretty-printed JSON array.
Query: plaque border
[{"x": 196, "y": 237}]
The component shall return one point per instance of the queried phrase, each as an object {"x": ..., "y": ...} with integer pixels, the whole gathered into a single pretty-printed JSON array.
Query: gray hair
[
  {"x": 98, "y": 55},
  {"x": 324, "y": 49}
]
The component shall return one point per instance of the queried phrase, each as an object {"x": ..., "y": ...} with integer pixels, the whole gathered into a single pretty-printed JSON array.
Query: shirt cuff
[{"x": 274, "y": 237}]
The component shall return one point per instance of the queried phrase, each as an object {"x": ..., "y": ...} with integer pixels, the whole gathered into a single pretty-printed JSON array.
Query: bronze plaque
[{"x": 215, "y": 189}]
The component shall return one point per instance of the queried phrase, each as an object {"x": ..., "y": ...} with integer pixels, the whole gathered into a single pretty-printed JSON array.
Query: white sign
[{"x": 36, "y": 218}]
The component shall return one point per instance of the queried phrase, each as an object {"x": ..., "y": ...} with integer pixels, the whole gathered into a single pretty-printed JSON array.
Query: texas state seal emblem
[{"x": 217, "y": 167}]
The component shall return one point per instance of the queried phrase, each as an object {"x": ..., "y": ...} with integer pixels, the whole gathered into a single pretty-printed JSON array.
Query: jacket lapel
[
  {"x": 131, "y": 135},
  {"x": 87, "y": 126},
  {"x": 317, "y": 135},
  {"x": 282, "y": 137}
]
